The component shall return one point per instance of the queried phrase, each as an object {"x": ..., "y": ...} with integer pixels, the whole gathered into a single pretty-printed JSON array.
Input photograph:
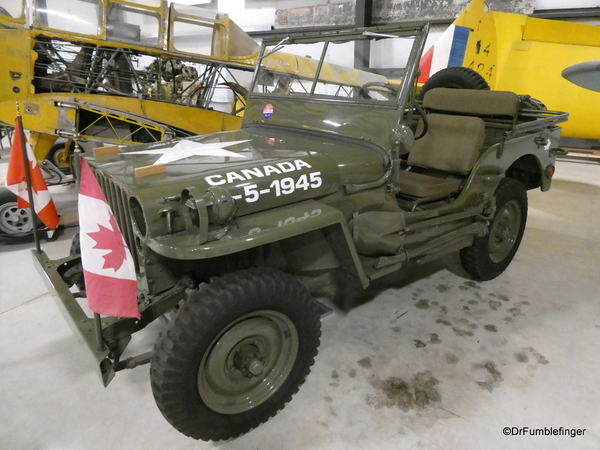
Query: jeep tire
[
  {"x": 491, "y": 254},
  {"x": 235, "y": 353}
]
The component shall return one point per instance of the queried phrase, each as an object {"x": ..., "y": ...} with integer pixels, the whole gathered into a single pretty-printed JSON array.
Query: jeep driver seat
[{"x": 439, "y": 159}]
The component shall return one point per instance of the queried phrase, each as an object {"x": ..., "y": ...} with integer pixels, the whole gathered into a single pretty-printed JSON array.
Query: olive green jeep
[{"x": 337, "y": 166}]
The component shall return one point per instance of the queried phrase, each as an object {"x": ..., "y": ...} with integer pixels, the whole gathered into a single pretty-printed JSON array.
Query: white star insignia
[{"x": 185, "y": 149}]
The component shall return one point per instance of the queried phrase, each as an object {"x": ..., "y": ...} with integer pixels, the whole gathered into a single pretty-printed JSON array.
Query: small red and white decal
[{"x": 268, "y": 111}]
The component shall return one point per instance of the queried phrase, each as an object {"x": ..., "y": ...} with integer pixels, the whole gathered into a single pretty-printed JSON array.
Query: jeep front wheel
[
  {"x": 491, "y": 254},
  {"x": 235, "y": 353}
]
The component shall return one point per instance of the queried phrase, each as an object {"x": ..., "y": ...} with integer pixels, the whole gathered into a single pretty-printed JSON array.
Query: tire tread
[
  {"x": 475, "y": 259},
  {"x": 169, "y": 363}
]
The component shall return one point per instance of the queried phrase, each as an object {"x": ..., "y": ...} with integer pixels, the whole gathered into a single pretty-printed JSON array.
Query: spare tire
[{"x": 455, "y": 78}]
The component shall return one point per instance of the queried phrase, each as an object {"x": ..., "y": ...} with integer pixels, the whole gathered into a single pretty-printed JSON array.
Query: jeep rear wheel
[
  {"x": 235, "y": 353},
  {"x": 491, "y": 254}
]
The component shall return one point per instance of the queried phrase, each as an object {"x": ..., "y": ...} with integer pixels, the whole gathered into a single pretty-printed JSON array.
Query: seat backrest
[
  {"x": 472, "y": 101},
  {"x": 452, "y": 144}
]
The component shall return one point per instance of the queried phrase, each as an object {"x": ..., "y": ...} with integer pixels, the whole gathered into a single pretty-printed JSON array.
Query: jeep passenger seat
[{"x": 445, "y": 155}]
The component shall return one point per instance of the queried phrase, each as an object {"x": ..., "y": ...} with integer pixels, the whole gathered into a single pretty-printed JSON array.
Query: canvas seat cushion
[
  {"x": 422, "y": 185},
  {"x": 452, "y": 144},
  {"x": 472, "y": 101}
]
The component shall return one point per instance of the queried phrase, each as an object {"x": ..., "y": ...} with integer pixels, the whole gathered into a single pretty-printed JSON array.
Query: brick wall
[{"x": 386, "y": 11}]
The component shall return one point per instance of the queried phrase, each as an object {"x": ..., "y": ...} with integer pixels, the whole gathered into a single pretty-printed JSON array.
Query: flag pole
[{"x": 34, "y": 216}]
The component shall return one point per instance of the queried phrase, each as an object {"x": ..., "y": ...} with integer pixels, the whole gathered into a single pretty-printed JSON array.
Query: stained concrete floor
[{"x": 424, "y": 359}]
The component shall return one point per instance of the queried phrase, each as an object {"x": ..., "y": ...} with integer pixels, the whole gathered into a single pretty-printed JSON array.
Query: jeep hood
[{"x": 261, "y": 167}]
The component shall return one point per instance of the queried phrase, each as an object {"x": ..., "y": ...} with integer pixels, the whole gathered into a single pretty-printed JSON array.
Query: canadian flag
[
  {"x": 108, "y": 268},
  {"x": 16, "y": 180}
]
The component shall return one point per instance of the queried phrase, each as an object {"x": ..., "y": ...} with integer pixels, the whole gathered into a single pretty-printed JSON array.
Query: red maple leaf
[{"x": 110, "y": 240}]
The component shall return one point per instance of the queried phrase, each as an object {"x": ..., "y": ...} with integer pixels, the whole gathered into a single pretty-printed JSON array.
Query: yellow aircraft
[
  {"x": 118, "y": 71},
  {"x": 554, "y": 61}
]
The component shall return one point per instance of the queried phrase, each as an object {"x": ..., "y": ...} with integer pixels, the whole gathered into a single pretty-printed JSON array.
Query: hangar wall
[
  {"x": 257, "y": 15},
  {"x": 385, "y": 11}
]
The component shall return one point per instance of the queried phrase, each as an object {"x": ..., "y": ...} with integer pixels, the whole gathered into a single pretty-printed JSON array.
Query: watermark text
[{"x": 545, "y": 431}]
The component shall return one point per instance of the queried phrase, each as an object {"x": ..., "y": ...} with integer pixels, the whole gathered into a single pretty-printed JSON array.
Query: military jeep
[{"x": 337, "y": 166}]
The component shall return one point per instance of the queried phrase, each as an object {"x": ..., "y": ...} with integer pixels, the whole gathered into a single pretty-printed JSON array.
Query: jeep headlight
[{"x": 200, "y": 210}]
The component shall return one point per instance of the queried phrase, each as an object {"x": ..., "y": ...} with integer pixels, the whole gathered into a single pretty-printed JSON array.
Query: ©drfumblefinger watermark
[{"x": 551, "y": 431}]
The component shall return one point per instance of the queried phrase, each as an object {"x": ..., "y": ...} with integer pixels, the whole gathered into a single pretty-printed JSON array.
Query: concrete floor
[{"x": 518, "y": 351}]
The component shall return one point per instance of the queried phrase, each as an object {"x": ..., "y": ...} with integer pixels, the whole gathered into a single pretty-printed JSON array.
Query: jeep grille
[{"x": 118, "y": 200}]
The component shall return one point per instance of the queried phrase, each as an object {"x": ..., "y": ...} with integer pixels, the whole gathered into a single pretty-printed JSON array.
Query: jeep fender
[
  {"x": 515, "y": 159},
  {"x": 294, "y": 226}
]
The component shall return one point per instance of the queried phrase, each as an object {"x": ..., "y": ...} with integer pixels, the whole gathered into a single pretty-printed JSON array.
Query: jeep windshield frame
[{"x": 371, "y": 66}]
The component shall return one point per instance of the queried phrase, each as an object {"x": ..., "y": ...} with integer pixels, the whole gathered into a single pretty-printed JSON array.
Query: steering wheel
[
  {"x": 363, "y": 91},
  {"x": 421, "y": 113}
]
